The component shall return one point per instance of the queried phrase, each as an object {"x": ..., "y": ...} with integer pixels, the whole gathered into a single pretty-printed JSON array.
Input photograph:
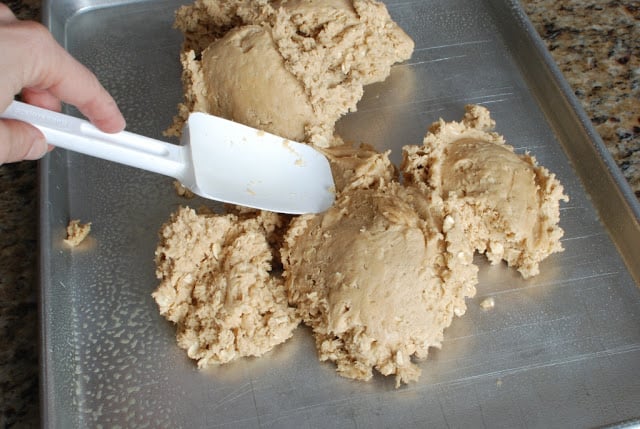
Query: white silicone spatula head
[
  {"x": 241, "y": 165},
  {"x": 218, "y": 159}
]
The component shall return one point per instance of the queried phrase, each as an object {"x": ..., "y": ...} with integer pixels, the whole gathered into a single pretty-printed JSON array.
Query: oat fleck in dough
[
  {"x": 182, "y": 191},
  {"x": 77, "y": 232},
  {"x": 217, "y": 288},
  {"x": 292, "y": 68}
]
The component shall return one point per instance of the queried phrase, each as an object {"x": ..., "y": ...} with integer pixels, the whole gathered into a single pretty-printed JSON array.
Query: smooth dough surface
[
  {"x": 378, "y": 277},
  {"x": 246, "y": 80}
]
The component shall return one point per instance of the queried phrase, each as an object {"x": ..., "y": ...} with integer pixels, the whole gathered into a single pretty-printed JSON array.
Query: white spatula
[{"x": 218, "y": 159}]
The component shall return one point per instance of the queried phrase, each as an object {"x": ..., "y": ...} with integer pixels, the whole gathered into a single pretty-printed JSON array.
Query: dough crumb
[
  {"x": 182, "y": 191},
  {"x": 77, "y": 232},
  {"x": 488, "y": 303}
]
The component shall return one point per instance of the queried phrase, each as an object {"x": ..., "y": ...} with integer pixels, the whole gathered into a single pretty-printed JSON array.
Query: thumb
[{"x": 20, "y": 141}]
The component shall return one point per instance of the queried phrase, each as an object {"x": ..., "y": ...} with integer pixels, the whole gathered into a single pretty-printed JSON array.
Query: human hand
[{"x": 34, "y": 64}]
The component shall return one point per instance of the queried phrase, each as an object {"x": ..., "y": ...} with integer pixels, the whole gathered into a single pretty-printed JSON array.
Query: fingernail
[{"x": 38, "y": 149}]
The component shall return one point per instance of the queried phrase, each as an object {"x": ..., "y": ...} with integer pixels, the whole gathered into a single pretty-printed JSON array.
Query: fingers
[
  {"x": 40, "y": 98},
  {"x": 20, "y": 141},
  {"x": 33, "y": 63},
  {"x": 33, "y": 60},
  {"x": 55, "y": 71},
  {"x": 5, "y": 14}
]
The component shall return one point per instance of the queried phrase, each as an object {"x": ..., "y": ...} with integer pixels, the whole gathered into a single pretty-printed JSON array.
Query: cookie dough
[
  {"x": 292, "y": 68},
  {"x": 359, "y": 167},
  {"x": 380, "y": 275},
  {"x": 77, "y": 232},
  {"x": 509, "y": 204},
  {"x": 216, "y": 285}
]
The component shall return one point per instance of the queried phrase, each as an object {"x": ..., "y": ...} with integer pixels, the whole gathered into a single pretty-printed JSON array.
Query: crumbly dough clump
[
  {"x": 509, "y": 204},
  {"x": 77, "y": 232},
  {"x": 292, "y": 68},
  {"x": 216, "y": 285},
  {"x": 359, "y": 167}
]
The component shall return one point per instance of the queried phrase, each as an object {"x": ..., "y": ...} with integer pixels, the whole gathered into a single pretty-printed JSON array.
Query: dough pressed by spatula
[{"x": 291, "y": 68}]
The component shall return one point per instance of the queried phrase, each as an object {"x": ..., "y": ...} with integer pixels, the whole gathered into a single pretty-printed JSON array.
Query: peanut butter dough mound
[
  {"x": 378, "y": 277},
  {"x": 216, "y": 286},
  {"x": 292, "y": 68},
  {"x": 509, "y": 204}
]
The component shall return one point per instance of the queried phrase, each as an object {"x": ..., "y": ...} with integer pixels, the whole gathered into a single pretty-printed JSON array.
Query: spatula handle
[{"x": 81, "y": 136}]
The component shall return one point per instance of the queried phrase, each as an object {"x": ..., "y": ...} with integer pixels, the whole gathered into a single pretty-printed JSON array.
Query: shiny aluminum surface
[{"x": 559, "y": 350}]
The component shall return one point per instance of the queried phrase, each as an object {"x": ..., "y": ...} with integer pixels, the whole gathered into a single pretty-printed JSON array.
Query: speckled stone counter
[
  {"x": 595, "y": 43},
  {"x": 19, "y": 400}
]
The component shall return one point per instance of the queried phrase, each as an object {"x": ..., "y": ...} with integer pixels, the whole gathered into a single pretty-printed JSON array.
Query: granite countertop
[{"x": 595, "y": 43}]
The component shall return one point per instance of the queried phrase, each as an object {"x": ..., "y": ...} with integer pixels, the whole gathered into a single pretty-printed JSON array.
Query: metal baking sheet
[{"x": 559, "y": 350}]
